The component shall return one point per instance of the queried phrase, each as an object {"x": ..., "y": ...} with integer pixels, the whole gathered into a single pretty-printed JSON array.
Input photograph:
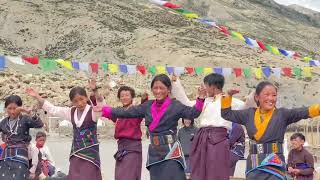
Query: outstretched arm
[
  {"x": 63, "y": 112},
  {"x": 297, "y": 114},
  {"x": 236, "y": 116}
]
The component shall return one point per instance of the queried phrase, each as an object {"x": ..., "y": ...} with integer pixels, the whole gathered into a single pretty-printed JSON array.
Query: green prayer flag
[
  {"x": 247, "y": 72},
  {"x": 199, "y": 70},
  {"x": 269, "y": 47},
  {"x": 105, "y": 67},
  {"x": 182, "y": 11},
  {"x": 152, "y": 70},
  {"x": 297, "y": 72},
  {"x": 48, "y": 64}
]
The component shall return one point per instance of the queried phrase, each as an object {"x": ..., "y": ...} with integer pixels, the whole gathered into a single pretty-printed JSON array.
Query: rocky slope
[{"x": 136, "y": 31}]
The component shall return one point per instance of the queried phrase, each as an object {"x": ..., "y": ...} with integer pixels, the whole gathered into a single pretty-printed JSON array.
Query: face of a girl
[
  {"x": 80, "y": 102},
  {"x": 12, "y": 110},
  {"x": 41, "y": 141},
  {"x": 159, "y": 90},
  {"x": 187, "y": 122},
  {"x": 267, "y": 98},
  {"x": 125, "y": 98}
]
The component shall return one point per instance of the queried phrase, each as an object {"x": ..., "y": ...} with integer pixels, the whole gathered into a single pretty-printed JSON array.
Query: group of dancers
[{"x": 207, "y": 153}]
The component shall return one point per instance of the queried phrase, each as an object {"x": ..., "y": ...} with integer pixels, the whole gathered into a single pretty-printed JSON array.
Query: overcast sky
[{"x": 311, "y": 4}]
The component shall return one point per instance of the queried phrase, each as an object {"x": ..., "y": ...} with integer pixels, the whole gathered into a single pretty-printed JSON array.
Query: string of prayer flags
[
  {"x": 94, "y": 67},
  {"x": 179, "y": 70},
  {"x": 152, "y": 70},
  {"x": 75, "y": 65},
  {"x": 250, "y": 42},
  {"x": 2, "y": 63},
  {"x": 262, "y": 46},
  {"x": 306, "y": 72},
  {"x": 84, "y": 66},
  {"x": 297, "y": 72},
  {"x": 161, "y": 69},
  {"x": 224, "y": 30},
  {"x": 226, "y": 72},
  {"x": 276, "y": 72},
  {"x": 207, "y": 70},
  {"x": 15, "y": 59},
  {"x": 189, "y": 70},
  {"x": 159, "y": 2},
  {"x": 104, "y": 67},
  {"x": 307, "y": 59},
  {"x": 64, "y": 63},
  {"x": 266, "y": 71},
  {"x": 287, "y": 71},
  {"x": 141, "y": 69},
  {"x": 247, "y": 72},
  {"x": 113, "y": 68},
  {"x": 31, "y": 60},
  {"x": 314, "y": 63},
  {"x": 199, "y": 70},
  {"x": 123, "y": 68},
  {"x": 258, "y": 73},
  {"x": 132, "y": 69},
  {"x": 171, "y": 5},
  {"x": 170, "y": 70},
  {"x": 48, "y": 64},
  {"x": 237, "y": 72},
  {"x": 275, "y": 50},
  {"x": 218, "y": 70}
]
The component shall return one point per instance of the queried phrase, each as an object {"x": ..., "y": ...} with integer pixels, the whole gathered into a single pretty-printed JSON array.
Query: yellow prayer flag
[
  {"x": 307, "y": 71},
  {"x": 113, "y": 68},
  {"x": 307, "y": 59},
  {"x": 240, "y": 36},
  {"x": 275, "y": 50},
  {"x": 258, "y": 73},
  {"x": 64, "y": 63},
  {"x": 207, "y": 70},
  {"x": 161, "y": 69},
  {"x": 191, "y": 15}
]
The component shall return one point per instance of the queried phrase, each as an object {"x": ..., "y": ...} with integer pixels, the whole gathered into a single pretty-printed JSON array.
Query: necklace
[{"x": 11, "y": 126}]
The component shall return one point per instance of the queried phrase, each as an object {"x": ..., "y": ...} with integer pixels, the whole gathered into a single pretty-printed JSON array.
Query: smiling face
[
  {"x": 125, "y": 98},
  {"x": 267, "y": 98},
  {"x": 160, "y": 91}
]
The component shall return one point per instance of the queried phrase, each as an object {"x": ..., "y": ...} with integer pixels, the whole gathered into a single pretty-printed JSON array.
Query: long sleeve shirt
[
  {"x": 45, "y": 155},
  {"x": 297, "y": 157},
  {"x": 211, "y": 113}
]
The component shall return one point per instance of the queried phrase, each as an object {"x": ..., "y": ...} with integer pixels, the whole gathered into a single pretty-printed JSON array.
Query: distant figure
[
  {"x": 185, "y": 136},
  {"x": 300, "y": 161}
]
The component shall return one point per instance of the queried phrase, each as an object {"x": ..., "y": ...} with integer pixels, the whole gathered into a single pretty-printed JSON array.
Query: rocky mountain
[{"x": 136, "y": 31}]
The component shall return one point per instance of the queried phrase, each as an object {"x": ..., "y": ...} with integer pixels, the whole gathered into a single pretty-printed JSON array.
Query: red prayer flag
[
  {"x": 224, "y": 30},
  {"x": 189, "y": 70},
  {"x": 94, "y": 67},
  {"x": 237, "y": 72},
  {"x": 141, "y": 69},
  {"x": 296, "y": 55},
  {"x": 287, "y": 71},
  {"x": 31, "y": 60},
  {"x": 171, "y": 6},
  {"x": 262, "y": 46}
]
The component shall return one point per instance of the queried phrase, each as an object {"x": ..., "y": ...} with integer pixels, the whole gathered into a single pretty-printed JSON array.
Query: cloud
[{"x": 311, "y": 4}]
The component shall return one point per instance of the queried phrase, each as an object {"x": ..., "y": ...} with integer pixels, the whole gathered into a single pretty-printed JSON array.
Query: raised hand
[
  {"x": 202, "y": 92},
  {"x": 23, "y": 109},
  {"x": 92, "y": 84},
  {"x": 31, "y": 92},
  {"x": 174, "y": 77},
  {"x": 97, "y": 108},
  {"x": 232, "y": 92}
]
